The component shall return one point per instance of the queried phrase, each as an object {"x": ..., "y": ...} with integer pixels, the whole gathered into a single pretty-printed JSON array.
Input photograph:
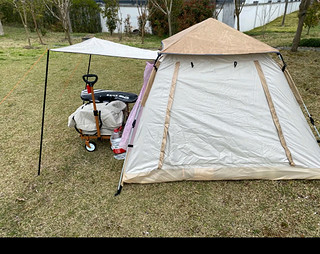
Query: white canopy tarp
[{"x": 95, "y": 46}]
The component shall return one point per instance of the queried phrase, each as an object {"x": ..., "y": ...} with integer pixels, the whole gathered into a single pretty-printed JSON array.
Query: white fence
[{"x": 256, "y": 14}]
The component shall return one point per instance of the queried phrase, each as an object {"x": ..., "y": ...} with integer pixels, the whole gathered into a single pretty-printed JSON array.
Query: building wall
[{"x": 131, "y": 10}]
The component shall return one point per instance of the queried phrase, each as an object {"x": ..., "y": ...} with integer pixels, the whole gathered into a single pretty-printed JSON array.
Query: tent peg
[{"x": 118, "y": 191}]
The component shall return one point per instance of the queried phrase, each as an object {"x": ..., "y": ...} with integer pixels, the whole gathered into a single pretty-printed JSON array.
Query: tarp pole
[
  {"x": 89, "y": 64},
  {"x": 43, "y": 110}
]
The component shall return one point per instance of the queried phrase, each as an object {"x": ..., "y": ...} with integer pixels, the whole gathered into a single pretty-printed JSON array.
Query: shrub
[
  {"x": 193, "y": 12},
  {"x": 85, "y": 16},
  {"x": 312, "y": 42},
  {"x": 184, "y": 14}
]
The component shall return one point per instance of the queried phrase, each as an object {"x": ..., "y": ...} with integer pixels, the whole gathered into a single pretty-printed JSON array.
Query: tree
[
  {"x": 111, "y": 13},
  {"x": 127, "y": 26},
  {"x": 238, "y": 6},
  {"x": 34, "y": 6},
  {"x": 1, "y": 29},
  {"x": 167, "y": 10},
  {"x": 313, "y": 16},
  {"x": 63, "y": 15},
  {"x": 21, "y": 8},
  {"x": 159, "y": 21},
  {"x": 119, "y": 23},
  {"x": 303, "y": 7},
  {"x": 285, "y": 12},
  {"x": 24, "y": 8},
  {"x": 143, "y": 16}
]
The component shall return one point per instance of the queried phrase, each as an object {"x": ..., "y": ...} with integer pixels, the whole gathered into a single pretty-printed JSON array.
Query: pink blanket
[{"x": 126, "y": 132}]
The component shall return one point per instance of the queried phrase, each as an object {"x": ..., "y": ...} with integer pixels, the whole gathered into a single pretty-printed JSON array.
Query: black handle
[{"x": 86, "y": 79}]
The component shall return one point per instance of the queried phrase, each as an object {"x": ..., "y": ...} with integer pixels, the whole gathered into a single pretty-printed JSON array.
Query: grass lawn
[
  {"x": 74, "y": 195},
  {"x": 281, "y": 36}
]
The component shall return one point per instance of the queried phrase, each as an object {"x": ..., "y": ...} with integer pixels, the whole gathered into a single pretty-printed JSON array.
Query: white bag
[{"x": 110, "y": 117}]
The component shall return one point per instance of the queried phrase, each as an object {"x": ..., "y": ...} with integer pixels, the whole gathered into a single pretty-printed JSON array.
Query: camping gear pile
[{"x": 103, "y": 113}]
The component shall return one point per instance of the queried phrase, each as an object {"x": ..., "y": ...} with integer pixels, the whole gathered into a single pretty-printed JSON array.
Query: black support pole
[
  {"x": 89, "y": 65},
  {"x": 43, "y": 110}
]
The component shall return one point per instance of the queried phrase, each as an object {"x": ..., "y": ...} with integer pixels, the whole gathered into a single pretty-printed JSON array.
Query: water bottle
[{"x": 115, "y": 139}]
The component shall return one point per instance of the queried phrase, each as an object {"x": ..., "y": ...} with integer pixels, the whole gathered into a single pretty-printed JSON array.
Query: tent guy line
[{"x": 24, "y": 76}]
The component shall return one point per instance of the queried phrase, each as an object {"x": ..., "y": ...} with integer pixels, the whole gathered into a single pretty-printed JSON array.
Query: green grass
[
  {"x": 74, "y": 195},
  {"x": 279, "y": 36}
]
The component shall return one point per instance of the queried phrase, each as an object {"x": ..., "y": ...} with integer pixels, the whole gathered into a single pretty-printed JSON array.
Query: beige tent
[{"x": 217, "y": 106}]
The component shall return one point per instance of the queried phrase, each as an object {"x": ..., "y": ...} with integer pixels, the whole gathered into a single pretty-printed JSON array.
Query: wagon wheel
[{"x": 90, "y": 146}]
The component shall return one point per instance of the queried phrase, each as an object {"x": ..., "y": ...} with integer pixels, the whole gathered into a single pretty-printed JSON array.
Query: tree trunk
[
  {"x": 64, "y": 14},
  {"x": 237, "y": 10},
  {"x": 1, "y": 29},
  {"x": 238, "y": 22},
  {"x": 67, "y": 33},
  {"x": 285, "y": 13},
  {"x": 69, "y": 22},
  {"x": 169, "y": 24},
  {"x": 303, "y": 7},
  {"x": 143, "y": 25},
  {"x": 25, "y": 24},
  {"x": 36, "y": 26}
]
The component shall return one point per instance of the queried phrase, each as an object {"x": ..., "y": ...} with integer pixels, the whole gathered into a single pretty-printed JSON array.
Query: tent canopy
[
  {"x": 212, "y": 37},
  {"x": 95, "y": 46}
]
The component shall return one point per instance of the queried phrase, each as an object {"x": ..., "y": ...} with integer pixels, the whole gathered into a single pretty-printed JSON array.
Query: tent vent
[
  {"x": 235, "y": 64},
  {"x": 192, "y": 65}
]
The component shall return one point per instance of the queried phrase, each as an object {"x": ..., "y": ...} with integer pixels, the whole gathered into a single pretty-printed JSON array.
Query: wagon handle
[{"x": 86, "y": 79}]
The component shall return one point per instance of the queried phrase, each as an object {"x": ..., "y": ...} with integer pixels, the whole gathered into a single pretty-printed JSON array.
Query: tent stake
[{"x": 43, "y": 110}]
